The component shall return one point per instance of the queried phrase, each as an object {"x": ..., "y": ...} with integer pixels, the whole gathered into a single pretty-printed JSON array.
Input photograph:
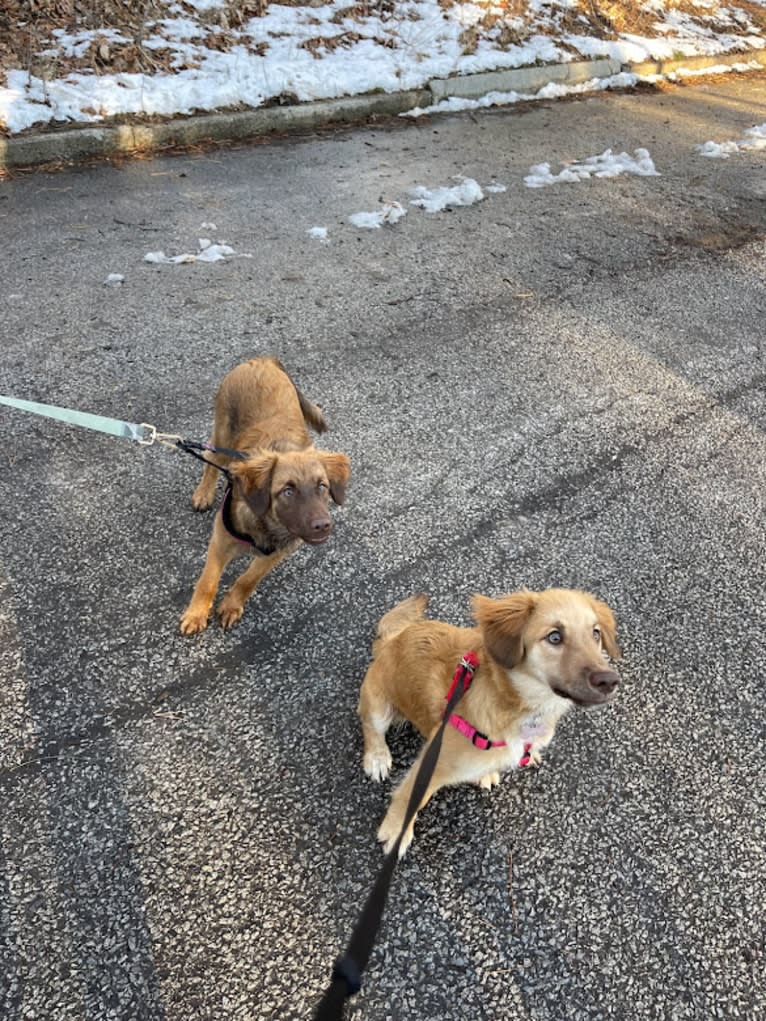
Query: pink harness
[{"x": 466, "y": 668}]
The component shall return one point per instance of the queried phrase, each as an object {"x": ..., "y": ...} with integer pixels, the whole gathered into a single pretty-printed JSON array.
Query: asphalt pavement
[{"x": 561, "y": 386}]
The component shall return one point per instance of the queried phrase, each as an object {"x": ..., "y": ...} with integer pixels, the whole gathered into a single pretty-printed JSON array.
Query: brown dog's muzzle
[
  {"x": 307, "y": 519},
  {"x": 319, "y": 529}
]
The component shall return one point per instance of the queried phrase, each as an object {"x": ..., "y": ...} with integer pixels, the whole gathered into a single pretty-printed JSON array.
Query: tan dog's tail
[
  {"x": 312, "y": 413},
  {"x": 397, "y": 619}
]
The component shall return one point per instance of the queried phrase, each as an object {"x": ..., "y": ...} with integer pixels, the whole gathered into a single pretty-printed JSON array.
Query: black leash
[
  {"x": 348, "y": 969},
  {"x": 194, "y": 447}
]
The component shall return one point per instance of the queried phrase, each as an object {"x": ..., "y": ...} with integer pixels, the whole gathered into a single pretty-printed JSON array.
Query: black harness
[
  {"x": 198, "y": 450},
  {"x": 242, "y": 537}
]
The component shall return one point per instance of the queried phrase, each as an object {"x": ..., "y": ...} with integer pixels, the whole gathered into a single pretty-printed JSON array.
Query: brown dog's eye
[
  {"x": 288, "y": 491},
  {"x": 596, "y": 634},
  {"x": 322, "y": 487},
  {"x": 554, "y": 637}
]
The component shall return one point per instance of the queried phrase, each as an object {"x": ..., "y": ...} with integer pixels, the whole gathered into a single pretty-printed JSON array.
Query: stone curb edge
[{"x": 72, "y": 145}]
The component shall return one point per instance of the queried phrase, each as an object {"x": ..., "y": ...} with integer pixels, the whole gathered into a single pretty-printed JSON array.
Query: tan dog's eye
[
  {"x": 596, "y": 634},
  {"x": 322, "y": 487},
  {"x": 554, "y": 638},
  {"x": 288, "y": 491}
]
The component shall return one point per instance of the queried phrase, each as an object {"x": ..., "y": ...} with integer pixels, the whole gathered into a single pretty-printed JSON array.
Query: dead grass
[
  {"x": 755, "y": 11},
  {"x": 615, "y": 17}
]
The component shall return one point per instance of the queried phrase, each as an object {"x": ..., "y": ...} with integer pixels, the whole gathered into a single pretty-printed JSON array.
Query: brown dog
[
  {"x": 278, "y": 496},
  {"x": 539, "y": 653}
]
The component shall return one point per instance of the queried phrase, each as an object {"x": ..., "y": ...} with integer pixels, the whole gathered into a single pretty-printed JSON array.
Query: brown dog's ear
[
  {"x": 338, "y": 468},
  {"x": 608, "y": 627},
  {"x": 502, "y": 622},
  {"x": 254, "y": 476}
]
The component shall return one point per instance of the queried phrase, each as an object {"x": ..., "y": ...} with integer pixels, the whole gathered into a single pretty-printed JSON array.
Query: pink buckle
[{"x": 481, "y": 741}]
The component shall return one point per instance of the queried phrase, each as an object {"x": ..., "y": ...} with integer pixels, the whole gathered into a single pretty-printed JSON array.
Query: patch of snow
[
  {"x": 320, "y": 233},
  {"x": 391, "y": 213},
  {"x": 208, "y": 252},
  {"x": 114, "y": 280},
  {"x": 605, "y": 165},
  {"x": 755, "y": 138},
  {"x": 435, "y": 200}
]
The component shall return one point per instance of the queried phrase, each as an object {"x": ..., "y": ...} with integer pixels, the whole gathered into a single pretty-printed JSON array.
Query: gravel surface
[{"x": 554, "y": 387}]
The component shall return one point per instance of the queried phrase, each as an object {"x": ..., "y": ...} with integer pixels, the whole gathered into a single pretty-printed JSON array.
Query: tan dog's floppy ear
[
  {"x": 338, "y": 468},
  {"x": 254, "y": 475},
  {"x": 502, "y": 622},
  {"x": 608, "y": 627}
]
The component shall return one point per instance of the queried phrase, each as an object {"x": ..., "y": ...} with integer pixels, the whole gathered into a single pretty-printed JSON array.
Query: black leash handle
[{"x": 348, "y": 969}]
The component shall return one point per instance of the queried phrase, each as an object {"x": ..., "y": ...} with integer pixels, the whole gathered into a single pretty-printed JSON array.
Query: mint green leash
[{"x": 143, "y": 433}]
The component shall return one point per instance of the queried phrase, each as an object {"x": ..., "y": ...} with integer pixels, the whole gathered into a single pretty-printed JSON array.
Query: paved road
[{"x": 554, "y": 387}]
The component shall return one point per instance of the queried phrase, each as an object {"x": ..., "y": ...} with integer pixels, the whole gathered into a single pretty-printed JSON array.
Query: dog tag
[{"x": 533, "y": 726}]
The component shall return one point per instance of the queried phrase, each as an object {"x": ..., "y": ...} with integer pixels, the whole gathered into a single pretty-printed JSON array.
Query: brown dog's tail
[
  {"x": 312, "y": 413},
  {"x": 398, "y": 618}
]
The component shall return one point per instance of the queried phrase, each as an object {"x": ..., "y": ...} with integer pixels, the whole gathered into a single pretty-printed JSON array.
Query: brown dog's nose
[
  {"x": 320, "y": 526},
  {"x": 604, "y": 681}
]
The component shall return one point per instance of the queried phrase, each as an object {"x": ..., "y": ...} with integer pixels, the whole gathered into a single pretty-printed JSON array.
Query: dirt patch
[{"x": 719, "y": 236}]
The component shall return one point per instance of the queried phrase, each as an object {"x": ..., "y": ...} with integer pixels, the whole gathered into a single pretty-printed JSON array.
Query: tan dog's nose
[{"x": 604, "y": 681}]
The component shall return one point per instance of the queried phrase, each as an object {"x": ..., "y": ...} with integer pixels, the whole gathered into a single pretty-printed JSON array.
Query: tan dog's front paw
[
  {"x": 193, "y": 621},
  {"x": 489, "y": 780},
  {"x": 389, "y": 831},
  {"x": 229, "y": 611},
  {"x": 377, "y": 765}
]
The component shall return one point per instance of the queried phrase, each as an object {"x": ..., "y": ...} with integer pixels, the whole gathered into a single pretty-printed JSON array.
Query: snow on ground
[
  {"x": 605, "y": 165},
  {"x": 207, "y": 252},
  {"x": 336, "y": 49},
  {"x": 434, "y": 200},
  {"x": 755, "y": 138},
  {"x": 390, "y": 213}
]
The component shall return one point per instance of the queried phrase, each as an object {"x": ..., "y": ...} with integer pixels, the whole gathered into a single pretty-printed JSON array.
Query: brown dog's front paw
[
  {"x": 192, "y": 622},
  {"x": 202, "y": 499},
  {"x": 229, "y": 612}
]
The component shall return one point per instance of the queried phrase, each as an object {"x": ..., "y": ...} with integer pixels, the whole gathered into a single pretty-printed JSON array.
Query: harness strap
[
  {"x": 477, "y": 739},
  {"x": 228, "y": 524},
  {"x": 190, "y": 446}
]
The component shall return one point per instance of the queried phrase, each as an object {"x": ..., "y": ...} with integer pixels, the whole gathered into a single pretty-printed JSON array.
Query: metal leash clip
[{"x": 147, "y": 441}]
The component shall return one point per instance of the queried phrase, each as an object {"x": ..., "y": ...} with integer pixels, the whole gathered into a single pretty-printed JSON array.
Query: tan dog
[
  {"x": 539, "y": 653},
  {"x": 279, "y": 495}
]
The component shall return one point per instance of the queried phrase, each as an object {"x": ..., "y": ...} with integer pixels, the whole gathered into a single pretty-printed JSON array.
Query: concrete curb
[
  {"x": 73, "y": 145},
  {"x": 522, "y": 79}
]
